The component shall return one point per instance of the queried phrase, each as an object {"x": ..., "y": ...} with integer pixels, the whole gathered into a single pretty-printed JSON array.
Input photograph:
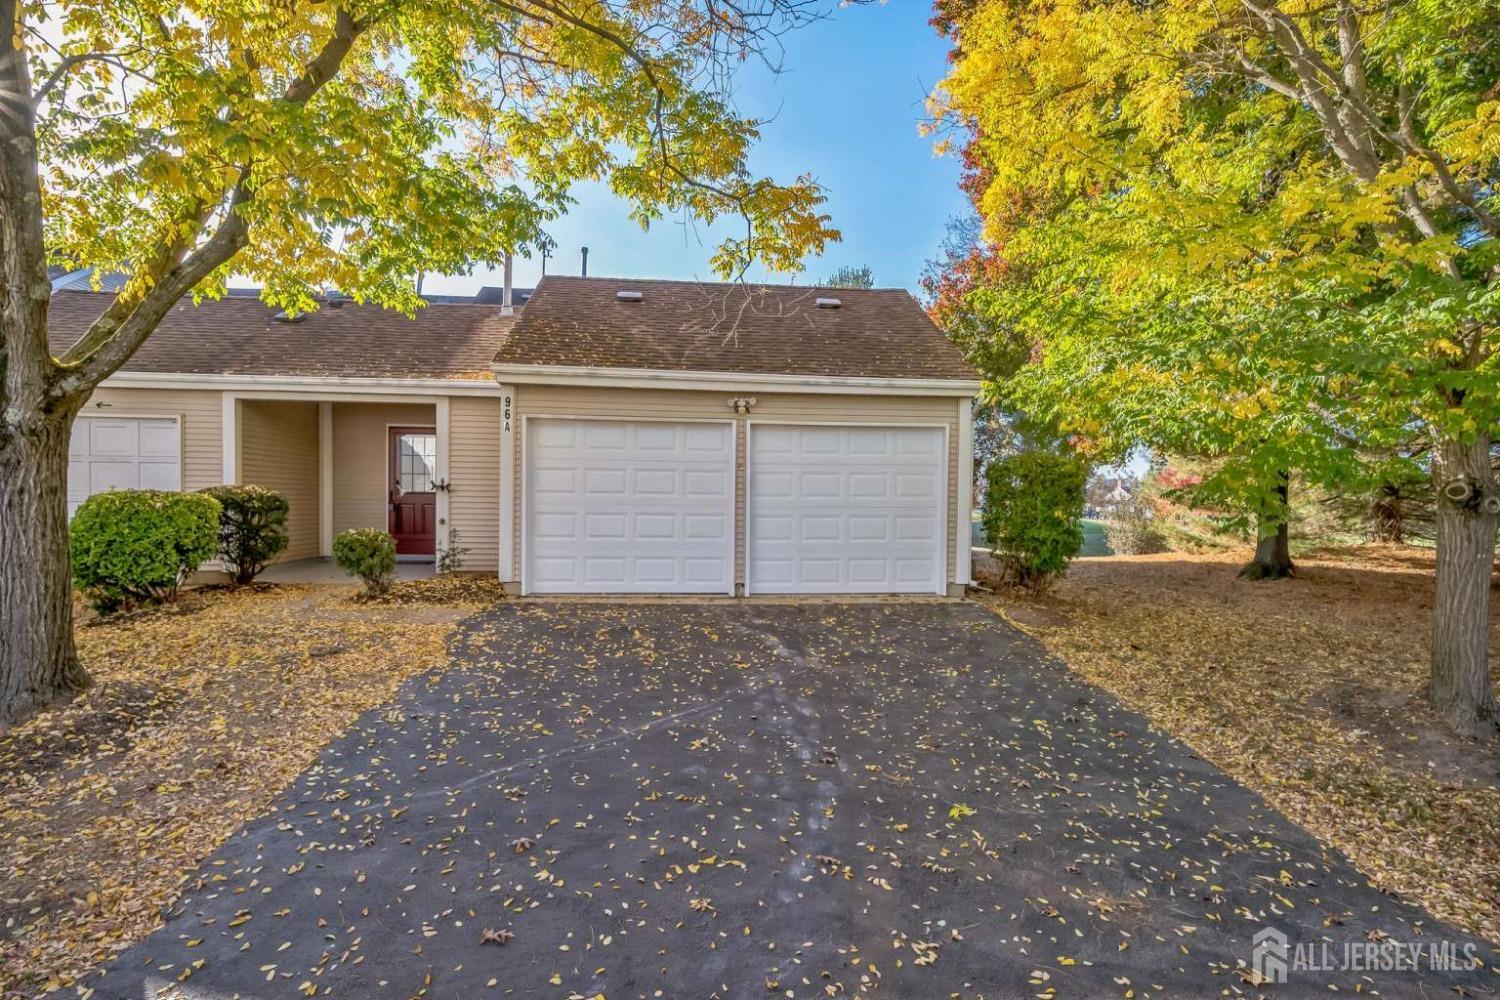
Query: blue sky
[{"x": 845, "y": 109}]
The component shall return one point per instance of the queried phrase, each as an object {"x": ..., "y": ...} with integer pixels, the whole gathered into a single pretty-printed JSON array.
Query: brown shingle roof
[
  {"x": 238, "y": 336},
  {"x": 751, "y": 329}
]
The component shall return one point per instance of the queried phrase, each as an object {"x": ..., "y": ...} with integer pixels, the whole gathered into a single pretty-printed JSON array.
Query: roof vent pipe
[
  {"x": 505, "y": 297},
  {"x": 585, "y": 262}
]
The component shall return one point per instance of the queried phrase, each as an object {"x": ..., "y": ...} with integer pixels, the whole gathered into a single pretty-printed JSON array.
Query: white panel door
[
  {"x": 847, "y": 510},
  {"x": 122, "y": 453},
  {"x": 621, "y": 507}
]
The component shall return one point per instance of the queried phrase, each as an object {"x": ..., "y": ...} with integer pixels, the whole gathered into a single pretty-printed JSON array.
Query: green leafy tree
[
  {"x": 1269, "y": 229},
  {"x": 351, "y": 144},
  {"x": 850, "y": 276}
]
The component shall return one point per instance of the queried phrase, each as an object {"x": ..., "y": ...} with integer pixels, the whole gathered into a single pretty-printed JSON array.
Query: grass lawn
[
  {"x": 1095, "y": 542},
  {"x": 1310, "y": 692},
  {"x": 199, "y": 714}
]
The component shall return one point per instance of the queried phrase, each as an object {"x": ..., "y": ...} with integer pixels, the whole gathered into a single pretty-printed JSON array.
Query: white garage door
[
  {"x": 618, "y": 507},
  {"x": 847, "y": 510},
  {"x": 122, "y": 453}
]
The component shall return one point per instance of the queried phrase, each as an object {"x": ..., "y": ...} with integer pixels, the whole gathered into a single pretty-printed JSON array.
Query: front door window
[{"x": 417, "y": 454}]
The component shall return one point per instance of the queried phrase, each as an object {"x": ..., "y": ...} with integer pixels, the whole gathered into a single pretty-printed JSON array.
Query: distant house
[{"x": 1104, "y": 493}]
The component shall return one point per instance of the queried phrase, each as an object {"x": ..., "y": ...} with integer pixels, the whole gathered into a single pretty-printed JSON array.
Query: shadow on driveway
[{"x": 750, "y": 801}]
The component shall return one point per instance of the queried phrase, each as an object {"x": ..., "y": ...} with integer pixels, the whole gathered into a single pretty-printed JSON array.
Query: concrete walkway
[{"x": 327, "y": 571}]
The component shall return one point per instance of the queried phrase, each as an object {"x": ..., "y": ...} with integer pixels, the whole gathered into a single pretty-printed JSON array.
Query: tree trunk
[
  {"x": 1460, "y": 689},
  {"x": 38, "y": 663},
  {"x": 1273, "y": 554}
]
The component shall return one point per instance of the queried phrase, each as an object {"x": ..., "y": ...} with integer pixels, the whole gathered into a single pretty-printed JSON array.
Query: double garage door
[{"x": 615, "y": 506}]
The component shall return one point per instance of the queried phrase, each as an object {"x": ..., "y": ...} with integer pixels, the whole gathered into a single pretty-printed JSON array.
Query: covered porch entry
[{"x": 341, "y": 464}]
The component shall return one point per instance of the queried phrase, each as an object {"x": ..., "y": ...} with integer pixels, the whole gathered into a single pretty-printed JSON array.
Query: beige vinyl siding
[
  {"x": 571, "y": 401},
  {"x": 474, "y": 473},
  {"x": 279, "y": 450},
  {"x": 360, "y": 453},
  {"x": 202, "y": 415}
]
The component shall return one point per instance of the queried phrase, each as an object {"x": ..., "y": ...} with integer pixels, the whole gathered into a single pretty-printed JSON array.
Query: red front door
[{"x": 413, "y": 504}]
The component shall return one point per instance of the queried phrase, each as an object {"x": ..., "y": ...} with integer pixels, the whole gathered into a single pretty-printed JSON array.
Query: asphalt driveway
[{"x": 684, "y": 801}]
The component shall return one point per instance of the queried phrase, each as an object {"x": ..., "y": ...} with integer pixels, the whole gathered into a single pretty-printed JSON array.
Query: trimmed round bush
[
  {"x": 369, "y": 554},
  {"x": 252, "y": 529},
  {"x": 131, "y": 547},
  {"x": 1032, "y": 515}
]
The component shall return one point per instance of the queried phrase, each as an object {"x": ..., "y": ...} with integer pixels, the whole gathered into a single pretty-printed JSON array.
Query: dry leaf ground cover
[
  {"x": 1310, "y": 691},
  {"x": 636, "y": 801},
  {"x": 199, "y": 714}
]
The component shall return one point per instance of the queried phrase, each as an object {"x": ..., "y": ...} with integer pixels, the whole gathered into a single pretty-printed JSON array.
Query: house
[
  {"x": 1103, "y": 494},
  {"x": 614, "y": 436}
]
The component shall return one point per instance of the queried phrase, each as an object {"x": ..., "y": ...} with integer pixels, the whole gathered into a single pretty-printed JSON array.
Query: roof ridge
[{"x": 722, "y": 284}]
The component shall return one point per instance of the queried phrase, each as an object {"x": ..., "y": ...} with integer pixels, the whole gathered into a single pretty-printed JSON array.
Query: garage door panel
[
  {"x": 869, "y": 571},
  {"x": 158, "y": 439},
  {"x": 915, "y": 528},
  {"x": 545, "y": 481},
  {"x": 656, "y": 482},
  {"x": 851, "y": 509},
  {"x": 707, "y": 440},
  {"x": 78, "y": 479},
  {"x": 705, "y": 527},
  {"x": 555, "y": 434},
  {"x": 117, "y": 438},
  {"x": 638, "y": 506},
  {"x": 868, "y": 486},
  {"x": 651, "y": 526},
  {"x": 159, "y": 476},
  {"x": 772, "y": 527},
  {"x": 708, "y": 572},
  {"x": 596, "y": 528},
  {"x": 713, "y": 485},
  {"x": 606, "y": 482},
  {"x": 605, "y": 570},
  {"x": 821, "y": 528},
  {"x": 918, "y": 444},
  {"x": 603, "y": 435},
  {"x": 105, "y": 476},
  {"x": 916, "y": 486},
  {"x": 869, "y": 528}
]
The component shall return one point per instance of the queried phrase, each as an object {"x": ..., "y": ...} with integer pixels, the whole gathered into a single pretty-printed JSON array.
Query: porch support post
[
  {"x": 229, "y": 475},
  {"x": 441, "y": 474},
  {"x": 507, "y": 429},
  {"x": 325, "y": 479},
  {"x": 964, "y": 494}
]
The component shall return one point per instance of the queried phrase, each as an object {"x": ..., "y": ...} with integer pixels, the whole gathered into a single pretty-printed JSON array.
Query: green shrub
[
  {"x": 137, "y": 546},
  {"x": 252, "y": 529},
  {"x": 369, "y": 554},
  {"x": 1032, "y": 513},
  {"x": 1132, "y": 530}
]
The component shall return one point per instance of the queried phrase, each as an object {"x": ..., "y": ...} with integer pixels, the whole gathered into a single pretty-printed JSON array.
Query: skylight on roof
[
  {"x": 628, "y": 295},
  {"x": 829, "y": 303}
]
